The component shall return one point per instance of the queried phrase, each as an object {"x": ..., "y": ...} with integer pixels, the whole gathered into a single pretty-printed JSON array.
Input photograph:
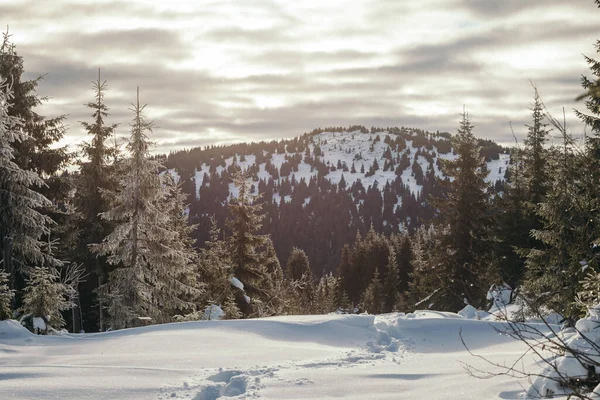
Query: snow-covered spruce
[
  {"x": 150, "y": 244},
  {"x": 22, "y": 225},
  {"x": 43, "y": 301},
  {"x": 6, "y": 297}
]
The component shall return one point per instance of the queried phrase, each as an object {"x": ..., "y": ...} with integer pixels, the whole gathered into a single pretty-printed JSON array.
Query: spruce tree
[
  {"x": 591, "y": 118},
  {"x": 96, "y": 181},
  {"x": 148, "y": 246},
  {"x": 33, "y": 149},
  {"x": 297, "y": 264},
  {"x": 244, "y": 244},
  {"x": 6, "y": 296},
  {"x": 535, "y": 156},
  {"x": 461, "y": 257},
  {"x": 22, "y": 224},
  {"x": 37, "y": 150},
  {"x": 423, "y": 288},
  {"x": 527, "y": 185},
  {"x": 215, "y": 270},
  {"x": 44, "y": 298},
  {"x": 391, "y": 283},
  {"x": 299, "y": 272},
  {"x": 566, "y": 267},
  {"x": 373, "y": 299},
  {"x": 272, "y": 284},
  {"x": 553, "y": 272}
]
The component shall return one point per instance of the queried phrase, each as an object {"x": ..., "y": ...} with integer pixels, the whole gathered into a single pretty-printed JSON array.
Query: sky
[{"x": 218, "y": 72}]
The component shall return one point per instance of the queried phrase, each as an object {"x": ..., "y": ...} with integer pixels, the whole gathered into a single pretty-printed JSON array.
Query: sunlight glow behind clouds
[{"x": 224, "y": 71}]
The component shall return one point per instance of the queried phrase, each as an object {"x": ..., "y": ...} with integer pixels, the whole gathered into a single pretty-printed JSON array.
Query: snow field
[{"x": 297, "y": 357}]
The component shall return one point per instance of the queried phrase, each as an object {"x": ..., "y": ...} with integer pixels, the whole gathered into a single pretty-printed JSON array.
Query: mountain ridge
[{"x": 378, "y": 177}]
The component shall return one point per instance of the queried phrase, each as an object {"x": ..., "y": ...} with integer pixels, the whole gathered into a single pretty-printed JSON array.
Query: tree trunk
[
  {"x": 8, "y": 263},
  {"x": 100, "y": 305}
]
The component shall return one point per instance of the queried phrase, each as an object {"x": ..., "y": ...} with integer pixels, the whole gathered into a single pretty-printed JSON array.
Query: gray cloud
[
  {"x": 232, "y": 71},
  {"x": 503, "y": 8}
]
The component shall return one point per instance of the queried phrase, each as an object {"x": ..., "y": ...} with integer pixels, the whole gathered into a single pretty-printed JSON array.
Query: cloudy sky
[{"x": 229, "y": 71}]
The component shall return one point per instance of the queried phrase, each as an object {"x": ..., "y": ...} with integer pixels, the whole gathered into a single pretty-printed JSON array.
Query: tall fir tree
[
  {"x": 568, "y": 265},
  {"x": 146, "y": 247},
  {"x": 22, "y": 224},
  {"x": 97, "y": 179},
  {"x": 527, "y": 186},
  {"x": 245, "y": 244},
  {"x": 215, "y": 269},
  {"x": 391, "y": 282},
  {"x": 6, "y": 296},
  {"x": 424, "y": 286},
  {"x": 591, "y": 118},
  {"x": 273, "y": 284},
  {"x": 535, "y": 156},
  {"x": 37, "y": 151},
  {"x": 462, "y": 251}
]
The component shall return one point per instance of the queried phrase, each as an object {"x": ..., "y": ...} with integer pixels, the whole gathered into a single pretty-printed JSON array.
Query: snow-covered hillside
[
  {"x": 356, "y": 149},
  {"x": 417, "y": 356}
]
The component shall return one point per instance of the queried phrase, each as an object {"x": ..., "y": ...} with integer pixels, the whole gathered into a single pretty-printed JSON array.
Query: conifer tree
[
  {"x": 37, "y": 150},
  {"x": 535, "y": 171},
  {"x": 461, "y": 257},
  {"x": 526, "y": 189},
  {"x": 391, "y": 283},
  {"x": 553, "y": 272},
  {"x": 6, "y": 296},
  {"x": 373, "y": 299},
  {"x": 513, "y": 226},
  {"x": 215, "y": 269},
  {"x": 591, "y": 118},
  {"x": 273, "y": 284},
  {"x": 244, "y": 244},
  {"x": 34, "y": 149},
  {"x": 180, "y": 259},
  {"x": 96, "y": 180},
  {"x": 566, "y": 267},
  {"x": 148, "y": 247},
  {"x": 297, "y": 264},
  {"x": 302, "y": 279},
  {"x": 22, "y": 225},
  {"x": 423, "y": 288},
  {"x": 44, "y": 298}
]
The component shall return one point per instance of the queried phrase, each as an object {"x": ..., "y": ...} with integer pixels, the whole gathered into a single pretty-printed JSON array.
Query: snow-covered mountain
[
  {"x": 360, "y": 150},
  {"x": 328, "y": 184}
]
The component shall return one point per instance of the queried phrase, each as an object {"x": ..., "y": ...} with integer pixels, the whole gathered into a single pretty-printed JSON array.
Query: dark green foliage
[
  {"x": 297, "y": 264},
  {"x": 391, "y": 283},
  {"x": 570, "y": 227},
  {"x": 27, "y": 201},
  {"x": 527, "y": 185},
  {"x": 373, "y": 299},
  {"x": 245, "y": 243},
  {"x": 462, "y": 249},
  {"x": 96, "y": 183},
  {"x": 6, "y": 296}
]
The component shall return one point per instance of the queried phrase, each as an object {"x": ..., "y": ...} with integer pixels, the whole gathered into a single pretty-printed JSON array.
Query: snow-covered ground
[{"x": 301, "y": 357}]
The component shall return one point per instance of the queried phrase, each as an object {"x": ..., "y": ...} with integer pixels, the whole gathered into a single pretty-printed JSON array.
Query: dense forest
[{"x": 340, "y": 219}]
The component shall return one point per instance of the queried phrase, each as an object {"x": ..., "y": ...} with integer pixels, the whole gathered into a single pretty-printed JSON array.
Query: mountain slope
[{"x": 328, "y": 184}]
